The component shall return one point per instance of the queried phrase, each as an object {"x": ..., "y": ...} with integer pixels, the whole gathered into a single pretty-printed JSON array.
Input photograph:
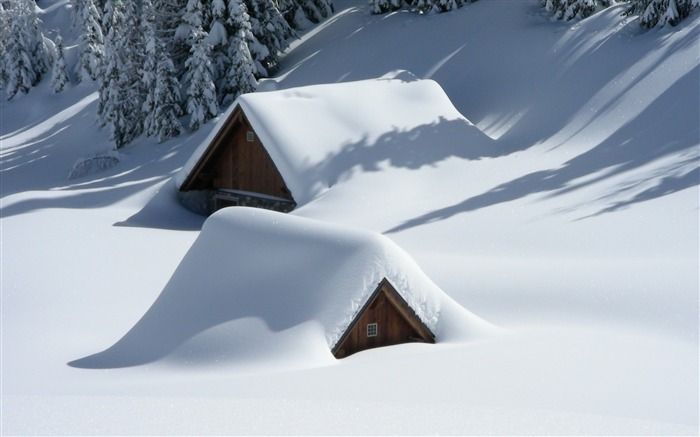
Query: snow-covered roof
[
  {"x": 293, "y": 274},
  {"x": 314, "y": 133}
]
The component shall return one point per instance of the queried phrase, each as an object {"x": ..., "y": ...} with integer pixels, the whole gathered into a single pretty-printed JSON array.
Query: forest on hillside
[{"x": 155, "y": 61}]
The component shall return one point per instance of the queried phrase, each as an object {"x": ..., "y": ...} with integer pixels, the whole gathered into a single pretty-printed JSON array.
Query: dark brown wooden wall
[
  {"x": 246, "y": 165},
  {"x": 233, "y": 162},
  {"x": 392, "y": 328}
]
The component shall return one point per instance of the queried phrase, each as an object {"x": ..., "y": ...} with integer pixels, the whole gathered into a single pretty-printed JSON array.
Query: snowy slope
[{"x": 579, "y": 238}]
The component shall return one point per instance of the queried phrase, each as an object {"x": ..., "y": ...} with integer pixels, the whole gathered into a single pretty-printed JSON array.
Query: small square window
[
  {"x": 371, "y": 330},
  {"x": 250, "y": 136}
]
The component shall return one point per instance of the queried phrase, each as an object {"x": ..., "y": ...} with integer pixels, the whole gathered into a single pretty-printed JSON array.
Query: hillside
[{"x": 571, "y": 231}]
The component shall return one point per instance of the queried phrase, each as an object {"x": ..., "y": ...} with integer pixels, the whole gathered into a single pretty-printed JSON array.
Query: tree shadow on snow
[
  {"x": 649, "y": 137},
  {"x": 37, "y": 158},
  {"x": 424, "y": 145}
]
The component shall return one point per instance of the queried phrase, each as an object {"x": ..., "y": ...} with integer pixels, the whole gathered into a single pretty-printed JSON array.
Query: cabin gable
[
  {"x": 236, "y": 169},
  {"x": 386, "y": 319}
]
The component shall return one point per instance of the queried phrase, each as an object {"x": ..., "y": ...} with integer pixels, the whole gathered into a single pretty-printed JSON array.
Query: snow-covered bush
[{"x": 94, "y": 163}]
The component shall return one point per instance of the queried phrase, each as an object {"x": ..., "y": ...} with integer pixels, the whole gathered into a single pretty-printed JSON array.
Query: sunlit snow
[{"x": 562, "y": 247}]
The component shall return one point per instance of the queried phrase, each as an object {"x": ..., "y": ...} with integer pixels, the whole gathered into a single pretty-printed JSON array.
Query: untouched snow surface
[{"x": 577, "y": 237}]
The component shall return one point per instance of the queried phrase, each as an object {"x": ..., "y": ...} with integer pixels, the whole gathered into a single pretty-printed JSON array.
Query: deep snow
[
  {"x": 253, "y": 273},
  {"x": 579, "y": 239}
]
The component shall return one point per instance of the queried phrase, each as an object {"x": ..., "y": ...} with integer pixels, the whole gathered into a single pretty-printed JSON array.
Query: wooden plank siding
[
  {"x": 233, "y": 162},
  {"x": 396, "y": 323}
]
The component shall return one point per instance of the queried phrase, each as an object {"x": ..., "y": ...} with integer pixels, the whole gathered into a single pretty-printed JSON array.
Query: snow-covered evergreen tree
[
  {"x": 240, "y": 77},
  {"x": 555, "y": 7},
  {"x": 301, "y": 13},
  {"x": 217, "y": 39},
  {"x": 444, "y": 5},
  {"x": 92, "y": 41},
  {"x": 121, "y": 97},
  {"x": 40, "y": 54},
  {"x": 161, "y": 106},
  {"x": 172, "y": 30},
  {"x": 4, "y": 36},
  {"x": 59, "y": 77},
  {"x": 26, "y": 57},
  {"x": 325, "y": 9},
  {"x": 657, "y": 13},
  {"x": 570, "y": 9},
  {"x": 384, "y": 6},
  {"x": 420, "y": 6},
  {"x": 150, "y": 67},
  {"x": 201, "y": 91},
  {"x": 579, "y": 8},
  {"x": 167, "y": 99},
  {"x": 653, "y": 13},
  {"x": 271, "y": 29}
]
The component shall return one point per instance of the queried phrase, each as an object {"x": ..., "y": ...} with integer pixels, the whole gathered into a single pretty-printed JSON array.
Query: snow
[
  {"x": 576, "y": 235},
  {"x": 223, "y": 301}
]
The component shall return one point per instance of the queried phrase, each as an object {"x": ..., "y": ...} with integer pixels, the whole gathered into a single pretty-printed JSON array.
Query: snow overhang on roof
[
  {"x": 289, "y": 269},
  {"x": 312, "y": 132}
]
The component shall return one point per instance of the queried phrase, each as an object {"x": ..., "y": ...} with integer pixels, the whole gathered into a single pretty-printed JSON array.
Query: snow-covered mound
[
  {"x": 319, "y": 135},
  {"x": 264, "y": 285}
]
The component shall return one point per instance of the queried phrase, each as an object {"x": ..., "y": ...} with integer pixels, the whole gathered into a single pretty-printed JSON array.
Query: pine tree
[
  {"x": 121, "y": 98},
  {"x": 650, "y": 13},
  {"x": 300, "y": 13},
  {"x": 217, "y": 38},
  {"x": 658, "y": 13},
  {"x": 570, "y": 9},
  {"x": 384, "y": 6},
  {"x": 59, "y": 78},
  {"x": 4, "y": 36},
  {"x": 150, "y": 67},
  {"x": 676, "y": 11},
  {"x": 556, "y": 8},
  {"x": 271, "y": 29},
  {"x": 671, "y": 15},
  {"x": 579, "y": 8},
  {"x": 167, "y": 99},
  {"x": 161, "y": 106},
  {"x": 26, "y": 57},
  {"x": 172, "y": 30},
  {"x": 40, "y": 54},
  {"x": 201, "y": 91},
  {"x": 92, "y": 41},
  {"x": 444, "y": 6},
  {"x": 319, "y": 10},
  {"x": 240, "y": 77}
]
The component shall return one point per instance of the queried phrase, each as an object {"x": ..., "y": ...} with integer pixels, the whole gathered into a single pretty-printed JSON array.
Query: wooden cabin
[
  {"x": 277, "y": 149},
  {"x": 237, "y": 170},
  {"x": 386, "y": 319}
]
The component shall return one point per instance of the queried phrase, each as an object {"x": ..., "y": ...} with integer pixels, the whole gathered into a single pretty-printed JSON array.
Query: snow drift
[{"x": 264, "y": 285}]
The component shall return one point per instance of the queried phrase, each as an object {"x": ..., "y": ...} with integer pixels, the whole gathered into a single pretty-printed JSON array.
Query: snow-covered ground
[{"x": 575, "y": 233}]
